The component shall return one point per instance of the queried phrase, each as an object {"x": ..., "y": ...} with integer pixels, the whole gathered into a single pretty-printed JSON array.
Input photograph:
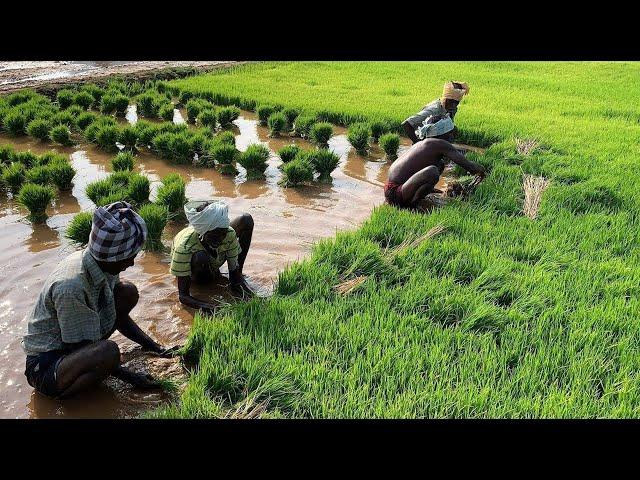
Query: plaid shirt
[
  {"x": 187, "y": 242},
  {"x": 76, "y": 304}
]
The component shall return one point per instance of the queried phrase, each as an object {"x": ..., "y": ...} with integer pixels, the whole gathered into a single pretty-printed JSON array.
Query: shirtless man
[{"x": 415, "y": 174}]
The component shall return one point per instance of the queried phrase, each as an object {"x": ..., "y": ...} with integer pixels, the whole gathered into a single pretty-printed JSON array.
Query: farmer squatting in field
[
  {"x": 452, "y": 94},
  {"x": 210, "y": 240},
  {"x": 80, "y": 306}
]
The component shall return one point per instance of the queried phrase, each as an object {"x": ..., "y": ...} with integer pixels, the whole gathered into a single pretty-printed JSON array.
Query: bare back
[{"x": 431, "y": 151}]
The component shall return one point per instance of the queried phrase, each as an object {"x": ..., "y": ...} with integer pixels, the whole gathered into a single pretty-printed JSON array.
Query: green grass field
[{"x": 497, "y": 316}]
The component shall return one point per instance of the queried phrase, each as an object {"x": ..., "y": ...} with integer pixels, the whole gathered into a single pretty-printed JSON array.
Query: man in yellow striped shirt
[{"x": 210, "y": 240}]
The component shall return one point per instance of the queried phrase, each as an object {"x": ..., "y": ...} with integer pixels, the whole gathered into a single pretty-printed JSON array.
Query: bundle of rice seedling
[
  {"x": 173, "y": 178},
  {"x": 98, "y": 189},
  {"x": 38, "y": 175},
  {"x": 138, "y": 189},
  {"x": 303, "y": 124},
  {"x": 123, "y": 161},
  {"x": 85, "y": 119},
  {"x": 65, "y": 117},
  {"x": 323, "y": 161},
  {"x": 277, "y": 123},
  {"x": 60, "y": 134},
  {"x": 264, "y": 112},
  {"x": 291, "y": 114},
  {"x": 226, "y": 115},
  {"x": 166, "y": 111},
  {"x": 15, "y": 122},
  {"x": 534, "y": 187},
  {"x": 83, "y": 99},
  {"x": 65, "y": 97},
  {"x": 39, "y": 128},
  {"x": 91, "y": 130},
  {"x": 106, "y": 137},
  {"x": 95, "y": 91},
  {"x": 297, "y": 172},
  {"x": 208, "y": 118},
  {"x": 128, "y": 138},
  {"x": 254, "y": 159},
  {"x": 321, "y": 133},
  {"x": 390, "y": 142},
  {"x": 145, "y": 132},
  {"x": 114, "y": 102},
  {"x": 525, "y": 147},
  {"x": 155, "y": 217},
  {"x": 148, "y": 104},
  {"x": 224, "y": 156},
  {"x": 195, "y": 106},
  {"x": 36, "y": 198},
  {"x": 289, "y": 152},
  {"x": 13, "y": 175},
  {"x": 378, "y": 128},
  {"x": 28, "y": 158},
  {"x": 411, "y": 244},
  {"x": 172, "y": 196},
  {"x": 6, "y": 153},
  {"x": 50, "y": 157},
  {"x": 225, "y": 137},
  {"x": 61, "y": 174},
  {"x": 358, "y": 136},
  {"x": 79, "y": 229}
]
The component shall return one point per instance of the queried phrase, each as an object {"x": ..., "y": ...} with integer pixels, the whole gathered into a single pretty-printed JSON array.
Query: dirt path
[{"x": 16, "y": 75}]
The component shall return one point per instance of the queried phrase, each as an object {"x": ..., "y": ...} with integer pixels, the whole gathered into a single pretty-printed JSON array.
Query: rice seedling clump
[
  {"x": 358, "y": 137},
  {"x": 166, "y": 111},
  {"x": 171, "y": 195},
  {"x": 15, "y": 123},
  {"x": 277, "y": 122},
  {"x": 85, "y": 119},
  {"x": 114, "y": 102},
  {"x": 13, "y": 175},
  {"x": 138, "y": 189},
  {"x": 79, "y": 229},
  {"x": 297, "y": 172},
  {"x": 38, "y": 175},
  {"x": 321, "y": 133},
  {"x": 264, "y": 112},
  {"x": 390, "y": 142},
  {"x": 60, "y": 134},
  {"x": 61, "y": 174},
  {"x": 254, "y": 159},
  {"x": 224, "y": 156},
  {"x": 65, "y": 97},
  {"x": 195, "y": 106},
  {"x": 227, "y": 115},
  {"x": 123, "y": 161},
  {"x": 291, "y": 114},
  {"x": 324, "y": 162},
  {"x": 128, "y": 137},
  {"x": 289, "y": 152},
  {"x": 106, "y": 137},
  {"x": 83, "y": 99},
  {"x": 36, "y": 198},
  {"x": 208, "y": 118},
  {"x": 225, "y": 137},
  {"x": 39, "y": 128},
  {"x": 28, "y": 158},
  {"x": 155, "y": 217}
]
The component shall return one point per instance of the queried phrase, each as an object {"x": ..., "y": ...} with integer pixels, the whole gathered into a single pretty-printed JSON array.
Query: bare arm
[
  {"x": 184, "y": 291},
  {"x": 127, "y": 327},
  {"x": 410, "y": 131},
  {"x": 458, "y": 158}
]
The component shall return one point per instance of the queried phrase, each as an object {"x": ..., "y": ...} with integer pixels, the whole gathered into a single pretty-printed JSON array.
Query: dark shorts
[
  {"x": 41, "y": 372},
  {"x": 393, "y": 194}
]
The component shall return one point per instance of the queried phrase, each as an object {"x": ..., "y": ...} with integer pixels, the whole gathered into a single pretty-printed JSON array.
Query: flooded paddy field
[{"x": 287, "y": 222}]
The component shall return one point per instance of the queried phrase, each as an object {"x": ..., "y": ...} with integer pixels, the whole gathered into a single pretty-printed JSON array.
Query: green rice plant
[
  {"x": 98, "y": 189},
  {"x": 198, "y": 142},
  {"x": 194, "y": 107},
  {"x": 39, "y": 128},
  {"x": 155, "y": 217},
  {"x": 172, "y": 196},
  {"x": 127, "y": 136},
  {"x": 324, "y": 162},
  {"x": 61, "y": 174},
  {"x": 225, "y": 137},
  {"x": 49, "y": 158},
  {"x": 60, "y": 134},
  {"x": 20, "y": 97},
  {"x": 254, "y": 159},
  {"x": 264, "y": 112},
  {"x": 79, "y": 229},
  {"x": 378, "y": 128},
  {"x": 38, "y": 175},
  {"x": 106, "y": 137},
  {"x": 116, "y": 195},
  {"x": 15, "y": 122},
  {"x": 64, "y": 117},
  {"x": 161, "y": 144},
  {"x": 358, "y": 136},
  {"x": 28, "y": 158},
  {"x": 91, "y": 130},
  {"x": 121, "y": 178},
  {"x": 84, "y": 120},
  {"x": 277, "y": 122},
  {"x": 291, "y": 114},
  {"x": 321, "y": 133},
  {"x": 208, "y": 118},
  {"x": 303, "y": 124},
  {"x": 224, "y": 156},
  {"x": 288, "y": 153},
  {"x": 297, "y": 172},
  {"x": 145, "y": 131},
  {"x": 227, "y": 115},
  {"x": 390, "y": 142},
  {"x": 166, "y": 111},
  {"x": 148, "y": 104},
  {"x": 123, "y": 161},
  {"x": 172, "y": 178},
  {"x": 75, "y": 110},
  {"x": 184, "y": 97},
  {"x": 83, "y": 99},
  {"x": 114, "y": 102},
  {"x": 95, "y": 91},
  {"x": 65, "y": 97},
  {"x": 36, "y": 198},
  {"x": 13, "y": 175},
  {"x": 139, "y": 189},
  {"x": 6, "y": 153}
]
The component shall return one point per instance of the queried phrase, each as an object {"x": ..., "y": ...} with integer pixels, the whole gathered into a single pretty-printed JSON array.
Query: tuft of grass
[
  {"x": 60, "y": 134},
  {"x": 291, "y": 114},
  {"x": 254, "y": 159},
  {"x": 297, "y": 172},
  {"x": 61, "y": 174},
  {"x": 321, "y": 133},
  {"x": 208, "y": 118},
  {"x": 155, "y": 217},
  {"x": 288, "y": 153},
  {"x": 227, "y": 115},
  {"x": 390, "y": 142},
  {"x": 14, "y": 175},
  {"x": 264, "y": 112},
  {"x": 171, "y": 195},
  {"x": 123, "y": 161},
  {"x": 224, "y": 156},
  {"x": 358, "y": 136},
  {"x": 39, "y": 128},
  {"x": 83, "y": 99},
  {"x": 15, "y": 122},
  {"x": 106, "y": 137},
  {"x": 39, "y": 175},
  {"x": 138, "y": 189},
  {"x": 277, "y": 123},
  {"x": 166, "y": 111},
  {"x": 324, "y": 162},
  {"x": 65, "y": 97},
  {"x": 79, "y": 229},
  {"x": 85, "y": 119},
  {"x": 36, "y": 198},
  {"x": 302, "y": 125}
]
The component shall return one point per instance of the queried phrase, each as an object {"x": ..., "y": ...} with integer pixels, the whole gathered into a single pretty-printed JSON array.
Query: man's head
[
  {"x": 117, "y": 235},
  {"x": 452, "y": 94},
  {"x": 437, "y": 126},
  {"x": 210, "y": 219}
]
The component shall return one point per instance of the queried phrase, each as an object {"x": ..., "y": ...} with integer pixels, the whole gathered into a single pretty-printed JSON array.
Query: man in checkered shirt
[{"x": 80, "y": 306}]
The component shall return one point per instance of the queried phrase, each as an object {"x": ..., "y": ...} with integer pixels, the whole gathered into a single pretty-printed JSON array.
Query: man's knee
[
  {"x": 109, "y": 352},
  {"x": 125, "y": 295},
  {"x": 246, "y": 221}
]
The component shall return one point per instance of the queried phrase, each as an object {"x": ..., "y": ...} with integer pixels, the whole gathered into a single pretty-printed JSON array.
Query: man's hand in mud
[
  {"x": 138, "y": 380},
  {"x": 242, "y": 290},
  {"x": 169, "y": 352}
]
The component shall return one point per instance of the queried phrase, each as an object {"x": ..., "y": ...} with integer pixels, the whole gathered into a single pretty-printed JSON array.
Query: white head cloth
[{"x": 214, "y": 215}]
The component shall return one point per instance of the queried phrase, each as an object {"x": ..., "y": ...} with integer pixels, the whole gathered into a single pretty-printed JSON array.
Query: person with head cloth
[
  {"x": 210, "y": 240},
  {"x": 447, "y": 104},
  {"x": 82, "y": 303}
]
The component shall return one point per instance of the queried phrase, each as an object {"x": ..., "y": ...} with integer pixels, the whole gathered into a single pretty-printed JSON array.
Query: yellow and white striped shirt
[{"x": 187, "y": 242}]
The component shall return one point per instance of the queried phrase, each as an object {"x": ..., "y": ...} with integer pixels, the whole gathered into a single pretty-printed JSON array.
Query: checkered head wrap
[{"x": 117, "y": 232}]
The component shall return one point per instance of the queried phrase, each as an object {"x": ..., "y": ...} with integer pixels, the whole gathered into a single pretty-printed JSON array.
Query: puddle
[{"x": 287, "y": 223}]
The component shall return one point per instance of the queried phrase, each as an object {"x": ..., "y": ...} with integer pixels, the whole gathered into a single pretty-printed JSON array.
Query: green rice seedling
[
  {"x": 288, "y": 153},
  {"x": 123, "y": 161},
  {"x": 128, "y": 137},
  {"x": 208, "y": 118},
  {"x": 139, "y": 189},
  {"x": 254, "y": 159},
  {"x": 61, "y": 174},
  {"x": 297, "y": 172},
  {"x": 114, "y": 102},
  {"x": 145, "y": 131},
  {"x": 172, "y": 197},
  {"x": 324, "y": 162},
  {"x": 13, "y": 175},
  {"x": 224, "y": 156},
  {"x": 277, "y": 122},
  {"x": 84, "y": 120},
  {"x": 60, "y": 134},
  {"x": 20, "y": 97},
  {"x": 199, "y": 141},
  {"x": 98, "y": 189},
  {"x": 39, "y": 128},
  {"x": 227, "y": 115},
  {"x": 79, "y": 229},
  {"x": 75, "y": 110},
  {"x": 28, "y": 158},
  {"x": 83, "y": 99},
  {"x": 49, "y": 158},
  {"x": 161, "y": 144},
  {"x": 6, "y": 153},
  {"x": 38, "y": 175},
  {"x": 264, "y": 112},
  {"x": 120, "y": 179},
  {"x": 358, "y": 136},
  {"x": 148, "y": 104},
  {"x": 36, "y": 198},
  {"x": 321, "y": 133},
  {"x": 377, "y": 129},
  {"x": 303, "y": 124},
  {"x": 181, "y": 148},
  {"x": 166, "y": 111},
  {"x": 116, "y": 195},
  {"x": 291, "y": 114},
  {"x": 106, "y": 137},
  {"x": 173, "y": 178},
  {"x": 184, "y": 97},
  {"x": 65, "y": 97},
  {"x": 194, "y": 107},
  {"x": 390, "y": 142},
  {"x": 91, "y": 130},
  {"x": 95, "y": 91},
  {"x": 225, "y": 137},
  {"x": 15, "y": 122},
  {"x": 155, "y": 217},
  {"x": 64, "y": 117}
]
